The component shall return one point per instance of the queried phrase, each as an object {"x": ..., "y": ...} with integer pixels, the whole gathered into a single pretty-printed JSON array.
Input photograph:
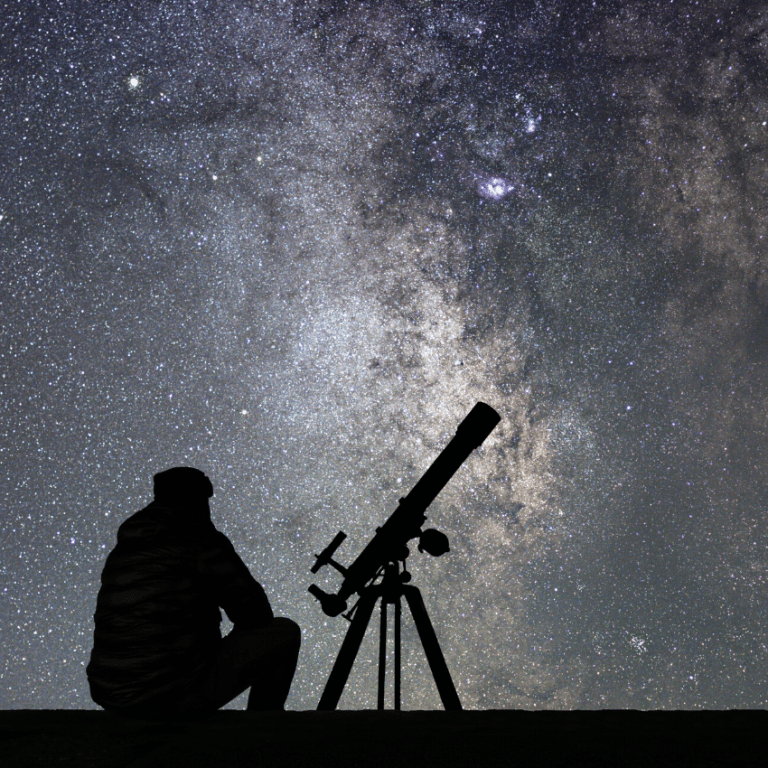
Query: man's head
[{"x": 182, "y": 486}]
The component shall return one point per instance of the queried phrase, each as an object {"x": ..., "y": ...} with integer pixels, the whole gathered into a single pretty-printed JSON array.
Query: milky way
[{"x": 292, "y": 244}]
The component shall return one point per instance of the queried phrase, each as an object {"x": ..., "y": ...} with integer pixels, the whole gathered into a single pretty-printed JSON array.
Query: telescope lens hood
[{"x": 478, "y": 424}]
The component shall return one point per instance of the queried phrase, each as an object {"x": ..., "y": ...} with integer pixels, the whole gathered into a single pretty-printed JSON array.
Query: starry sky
[{"x": 293, "y": 243}]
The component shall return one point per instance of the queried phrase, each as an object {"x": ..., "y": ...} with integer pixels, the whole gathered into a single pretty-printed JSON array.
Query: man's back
[{"x": 157, "y": 617}]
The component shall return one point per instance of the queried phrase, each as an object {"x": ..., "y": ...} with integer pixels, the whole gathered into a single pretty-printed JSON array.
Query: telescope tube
[{"x": 405, "y": 522}]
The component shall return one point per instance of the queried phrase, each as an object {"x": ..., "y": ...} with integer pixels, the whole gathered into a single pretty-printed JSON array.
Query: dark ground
[{"x": 318, "y": 739}]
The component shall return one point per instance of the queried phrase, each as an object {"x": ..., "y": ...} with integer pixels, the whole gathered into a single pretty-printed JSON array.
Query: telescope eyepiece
[{"x": 332, "y": 605}]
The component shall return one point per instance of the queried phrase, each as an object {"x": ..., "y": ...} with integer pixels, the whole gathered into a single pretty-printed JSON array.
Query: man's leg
[
  {"x": 270, "y": 688},
  {"x": 263, "y": 660}
]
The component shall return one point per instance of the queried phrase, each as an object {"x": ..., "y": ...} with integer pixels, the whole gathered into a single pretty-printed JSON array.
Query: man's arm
[{"x": 242, "y": 597}]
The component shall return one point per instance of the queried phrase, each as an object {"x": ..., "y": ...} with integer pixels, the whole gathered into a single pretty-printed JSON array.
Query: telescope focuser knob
[{"x": 433, "y": 542}]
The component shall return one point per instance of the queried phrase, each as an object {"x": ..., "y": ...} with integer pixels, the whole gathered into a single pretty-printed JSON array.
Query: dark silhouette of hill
[{"x": 343, "y": 739}]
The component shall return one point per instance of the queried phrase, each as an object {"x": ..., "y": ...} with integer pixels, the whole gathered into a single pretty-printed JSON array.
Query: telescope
[{"x": 380, "y": 559}]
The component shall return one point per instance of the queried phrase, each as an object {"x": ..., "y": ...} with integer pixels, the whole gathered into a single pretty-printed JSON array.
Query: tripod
[{"x": 390, "y": 590}]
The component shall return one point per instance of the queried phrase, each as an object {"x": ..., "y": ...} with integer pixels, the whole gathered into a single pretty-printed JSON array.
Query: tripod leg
[
  {"x": 435, "y": 657},
  {"x": 397, "y": 653},
  {"x": 382, "y": 653},
  {"x": 349, "y": 648}
]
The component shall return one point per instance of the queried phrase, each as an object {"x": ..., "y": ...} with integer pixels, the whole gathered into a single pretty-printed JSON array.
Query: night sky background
[{"x": 293, "y": 243}]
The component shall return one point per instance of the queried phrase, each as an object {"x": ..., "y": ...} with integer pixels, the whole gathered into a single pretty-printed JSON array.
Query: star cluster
[{"x": 293, "y": 243}]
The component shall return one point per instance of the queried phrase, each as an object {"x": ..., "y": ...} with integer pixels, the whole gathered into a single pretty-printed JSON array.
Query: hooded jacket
[{"x": 157, "y": 613}]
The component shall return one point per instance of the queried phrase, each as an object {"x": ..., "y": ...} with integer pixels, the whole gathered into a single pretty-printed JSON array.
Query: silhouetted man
[{"x": 158, "y": 650}]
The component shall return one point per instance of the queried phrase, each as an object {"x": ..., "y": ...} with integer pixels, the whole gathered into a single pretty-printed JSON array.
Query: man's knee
[{"x": 289, "y": 631}]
